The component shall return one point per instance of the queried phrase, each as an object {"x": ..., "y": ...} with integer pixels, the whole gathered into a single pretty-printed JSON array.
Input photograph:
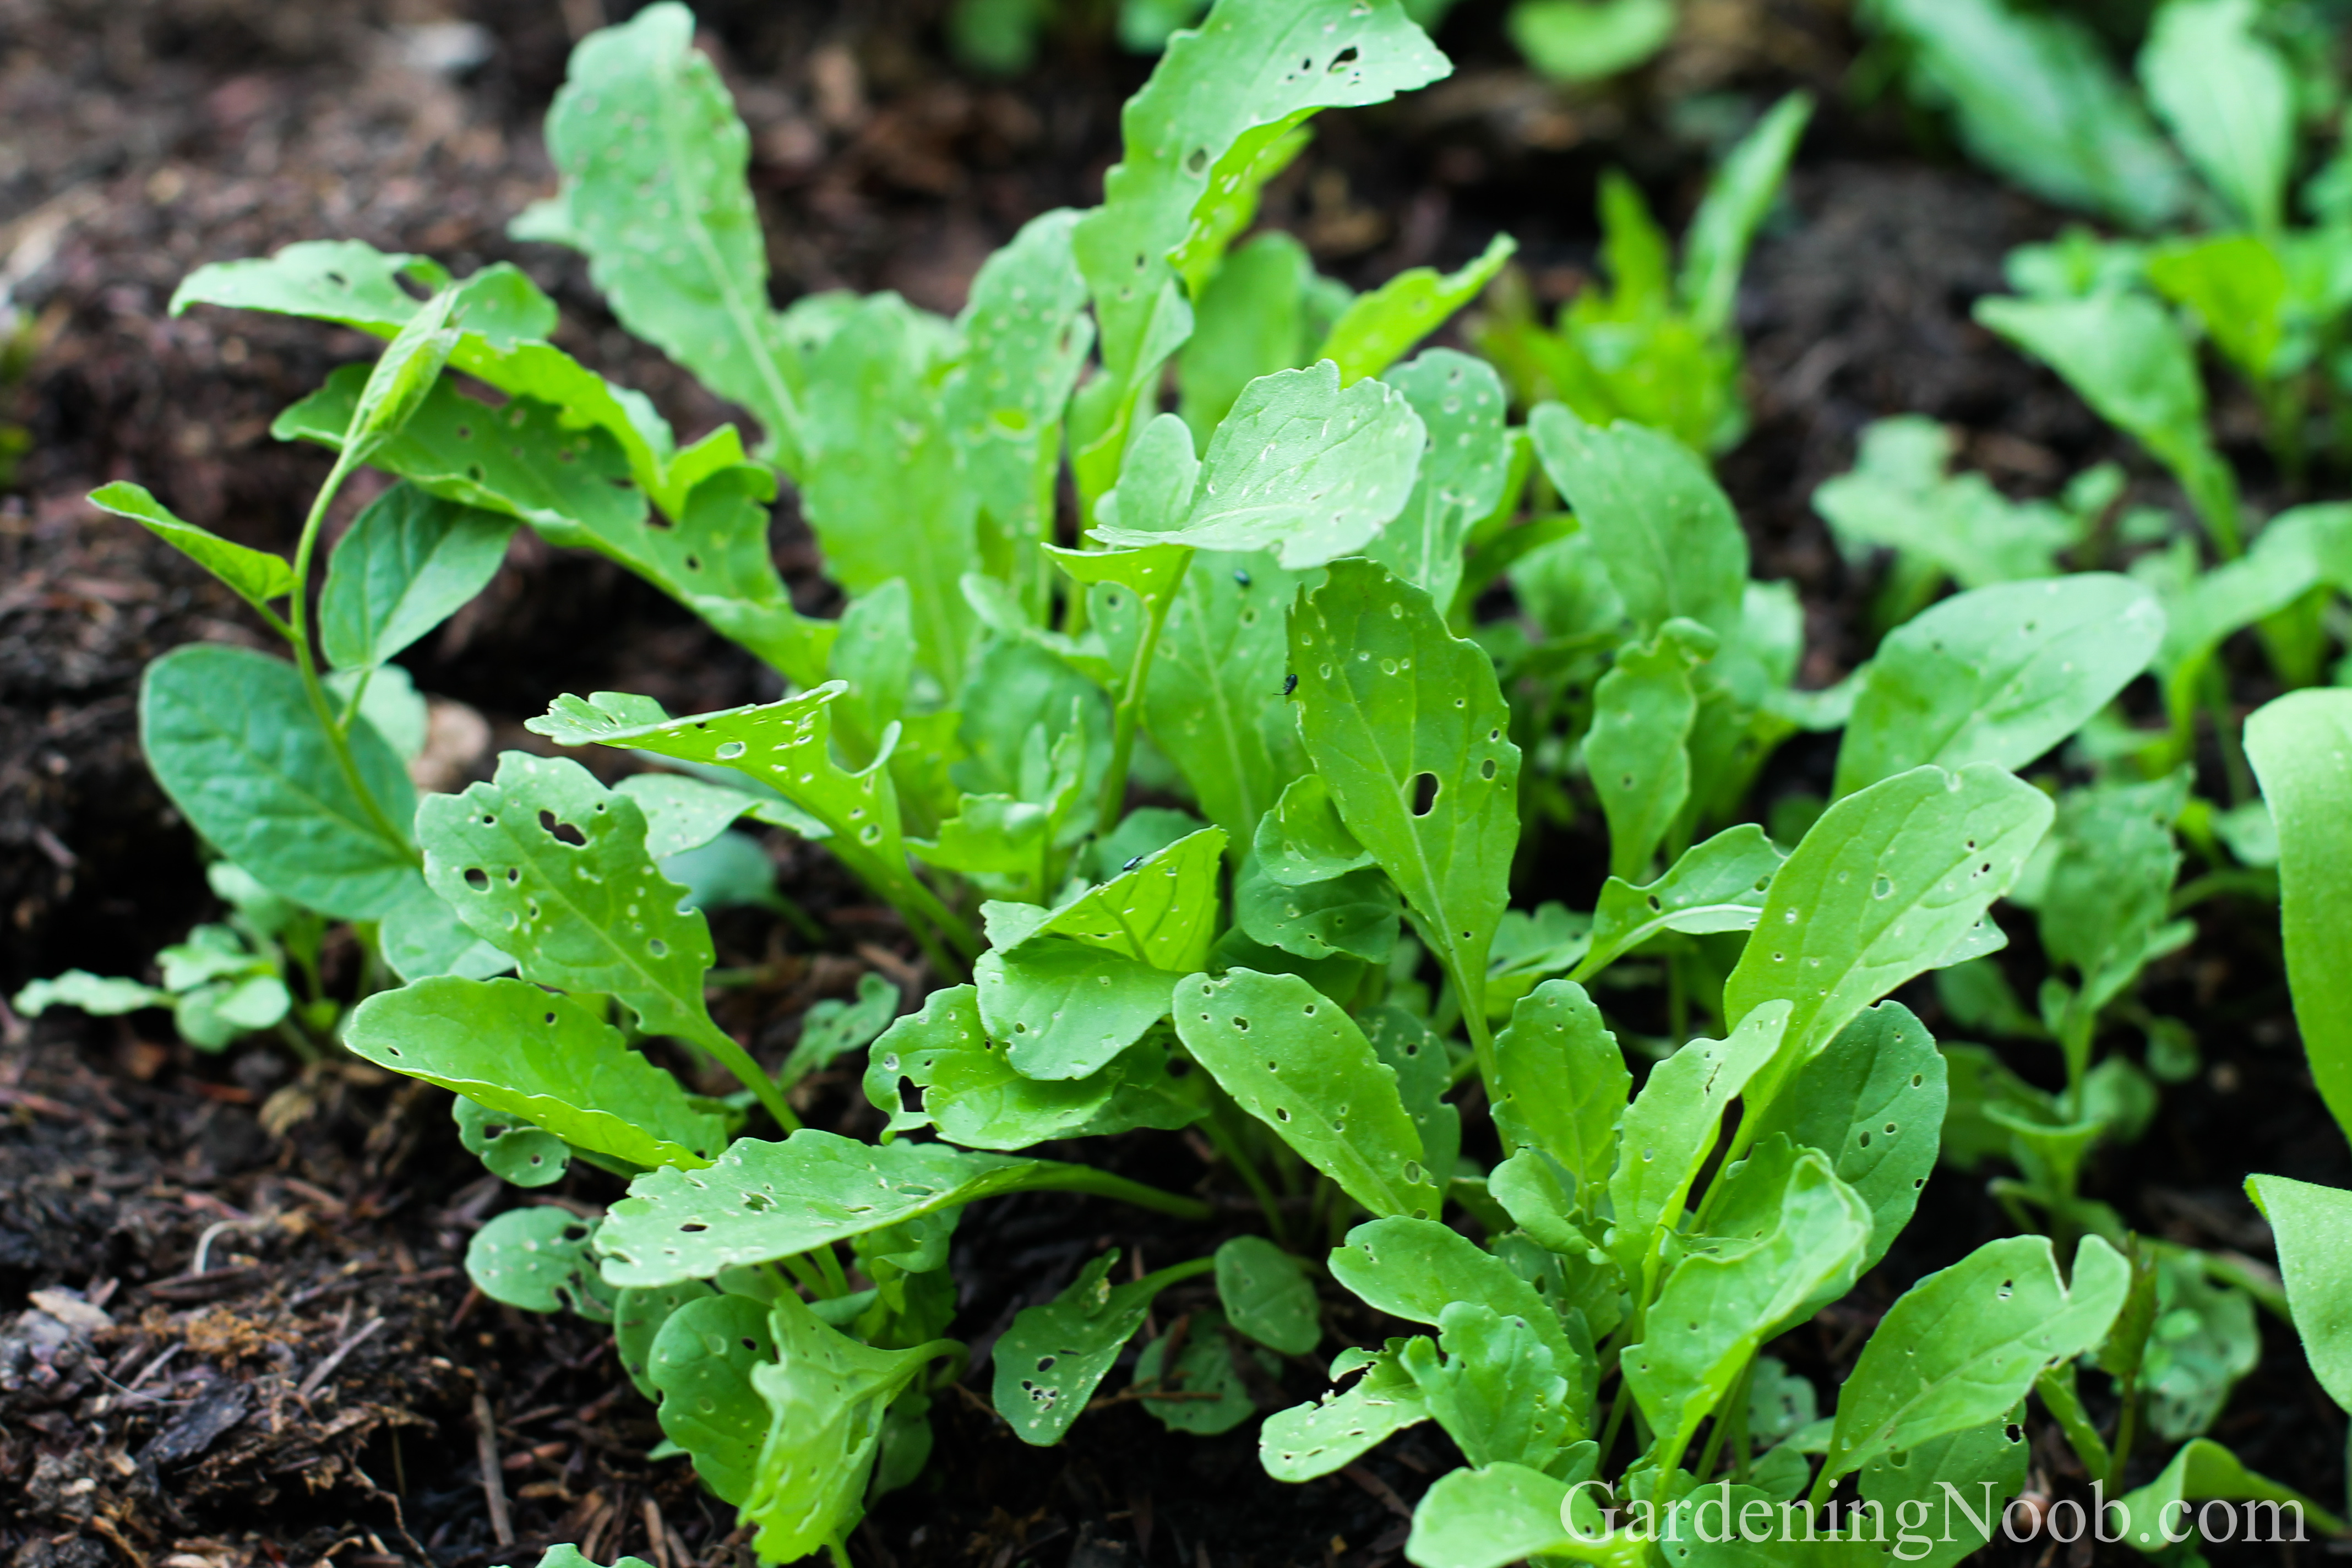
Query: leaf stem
[
  {"x": 298, "y": 632},
  {"x": 1130, "y": 698},
  {"x": 748, "y": 1073},
  {"x": 1222, "y": 1139},
  {"x": 2056, "y": 1387},
  {"x": 1103, "y": 1185}
]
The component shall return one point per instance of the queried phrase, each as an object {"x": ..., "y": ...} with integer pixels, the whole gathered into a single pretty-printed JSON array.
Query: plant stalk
[{"x": 1129, "y": 716}]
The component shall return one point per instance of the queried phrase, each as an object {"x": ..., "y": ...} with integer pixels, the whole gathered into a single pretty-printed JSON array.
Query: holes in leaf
[
  {"x": 694, "y": 1227},
  {"x": 657, "y": 947},
  {"x": 1197, "y": 162},
  {"x": 1424, "y": 793},
  {"x": 730, "y": 750},
  {"x": 1486, "y": 769},
  {"x": 1343, "y": 59},
  {"x": 562, "y": 832},
  {"x": 514, "y": 876},
  {"x": 1882, "y": 888},
  {"x": 1242, "y": 1023},
  {"x": 477, "y": 879}
]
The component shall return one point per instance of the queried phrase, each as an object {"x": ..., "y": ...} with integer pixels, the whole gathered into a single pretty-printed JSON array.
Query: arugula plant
[{"x": 1657, "y": 345}]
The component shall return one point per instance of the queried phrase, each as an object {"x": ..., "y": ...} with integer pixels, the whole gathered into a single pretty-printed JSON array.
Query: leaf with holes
[
  {"x": 538, "y": 1259},
  {"x": 637, "y": 1320},
  {"x": 1355, "y": 914},
  {"x": 1886, "y": 885},
  {"x": 1266, "y": 1296},
  {"x": 1488, "y": 1380},
  {"x": 1962, "y": 1346},
  {"x": 1718, "y": 886},
  {"x": 684, "y": 813},
  {"x": 1637, "y": 750},
  {"x": 1326, "y": 1435},
  {"x": 407, "y": 563},
  {"x": 1302, "y": 840},
  {"x": 1407, "y": 727},
  {"x": 1424, "y": 1071},
  {"x": 700, "y": 1364},
  {"x": 1463, "y": 468},
  {"x": 1293, "y": 1058},
  {"x": 1561, "y": 1083},
  {"x": 1202, "y": 1392},
  {"x": 1050, "y": 1361},
  {"x": 1998, "y": 675},
  {"x": 551, "y": 1060},
  {"x": 511, "y": 1148},
  {"x": 255, "y": 575}
]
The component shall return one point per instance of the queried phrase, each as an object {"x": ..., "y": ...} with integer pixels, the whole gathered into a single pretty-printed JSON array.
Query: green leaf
[
  {"x": 1738, "y": 195},
  {"x": 1495, "y": 1391},
  {"x": 1300, "y": 467},
  {"x": 547, "y": 865},
  {"x": 1637, "y": 750},
  {"x": 1661, "y": 525},
  {"x": 969, "y": 1089},
  {"x": 2203, "y": 1470},
  {"x": 2238, "y": 288},
  {"x": 2301, "y": 746},
  {"x": 1464, "y": 470},
  {"x": 1414, "y": 1268},
  {"x": 1302, "y": 840},
  {"x": 2106, "y": 901},
  {"x": 1890, "y": 882},
  {"x": 1560, "y": 1084},
  {"x": 1407, "y": 727},
  {"x": 2227, "y": 97},
  {"x": 1424, "y": 1071},
  {"x": 1730, "y": 1294},
  {"x": 1718, "y": 886},
  {"x": 2131, "y": 362},
  {"x": 826, "y": 1397},
  {"x": 409, "y": 367},
  {"x": 762, "y": 1201},
  {"x": 535, "y": 1258},
  {"x": 2313, "y": 1227},
  {"x": 421, "y": 937},
  {"x": 700, "y": 1366},
  {"x": 1355, "y": 914},
  {"x": 552, "y": 1060},
  {"x": 1266, "y": 1296},
  {"x": 1293, "y": 1058},
  {"x": 568, "y": 1556},
  {"x": 1590, "y": 40},
  {"x": 1962, "y": 1345},
  {"x": 235, "y": 743},
  {"x": 833, "y": 1028},
  {"x": 1189, "y": 150},
  {"x": 1205, "y": 1366},
  {"x": 255, "y": 575},
  {"x": 1998, "y": 675},
  {"x": 1379, "y": 327},
  {"x": 1671, "y": 1127},
  {"x": 1899, "y": 498},
  {"x": 1049, "y": 1362},
  {"x": 98, "y": 995},
  {"x": 653, "y": 159},
  {"x": 511, "y": 1149},
  {"x": 2037, "y": 98},
  {"x": 2203, "y": 1340},
  {"x": 406, "y": 564},
  {"x": 1873, "y": 1102},
  {"x": 1255, "y": 317},
  {"x": 637, "y": 1320},
  {"x": 684, "y": 813},
  {"x": 1320, "y": 1436}
]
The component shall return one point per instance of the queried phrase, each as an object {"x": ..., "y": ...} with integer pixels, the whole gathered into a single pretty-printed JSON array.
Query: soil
[{"x": 234, "y": 1324}]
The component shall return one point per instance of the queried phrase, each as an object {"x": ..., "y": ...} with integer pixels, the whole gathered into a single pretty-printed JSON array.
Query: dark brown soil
[{"x": 308, "y": 1390}]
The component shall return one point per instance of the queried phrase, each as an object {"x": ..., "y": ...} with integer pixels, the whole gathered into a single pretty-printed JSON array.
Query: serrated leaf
[
  {"x": 1409, "y": 731},
  {"x": 1266, "y": 1296},
  {"x": 700, "y": 1364},
  {"x": 1300, "y": 468},
  {"x": 1654, "y": 515},
  {"x": 511, "y": 1148},
  {"x": 234, "y": 743},
  {"x": 1052, "y": 1359},
  {"x": 254, "y": 576},
  {"x": 1963, "y": 1345},
  {"x": 1885, "y": 885},
  {"x": 1718, "y": 886},
  {"x": 2227, "y": 97},
  {"x": 1561, "y": 1083},
  {"x": 1293, "y": 1058},
  {"x": 2312, "y": 1226},
  {"x": 762, "y": 1200},
  {"x": 1464, "y": 469},
  {"x": 1873, "y": 1102},
  {"x": 535, "y": 1258},
  {"x": 407, "y": 563},
  {"x": 1637, "y": 750},
  {"x": 2301, "y": 746},
  {"x": 1320, "y": 1436},
  {"x": 1998, "y": 675},
  {"x": 1379, "y": 327},
  {"x": 549, "y": 1060},
  {"x": 653, "y": 159}
]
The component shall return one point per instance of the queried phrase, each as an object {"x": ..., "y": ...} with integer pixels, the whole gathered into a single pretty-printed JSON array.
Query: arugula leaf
[
  {"x": 1465, "y": 471},
  {"x": 1998, "y": 675},
  {"x": 1266, "y": 1296},
  {"x": 1899, "y": 498},
  {"x": 1293, "y": 1058},
  {"x": 2301, "y": 746},
  {"x": 1738, "y": 194},
  {"x": 1888, "y": 883},
  {"x": 537, "y": 1259},
  {"x": 1300, "y": 467},
  {"x": 1718, "y": 886},
  {"x": 2202, "y": 1471},
  {"x": 1963, "y": 1345},
  {"x": 1560, "y": 1083},
  {"x": 1376, "y": 330},
  {"x": 2238, "y": 286},
  {"x": 409, "y": 367},
  {"x": 2312, "y": 1226},
  {"x": 551, "y": 1060},
  {"x": 1662, "y": 527},
  {"x": 1049, "y": 1362},
  {"x": 685, "y": 813},
  {"x": 1302, "y": 840},
  {"x": 1637, "y": 750},
  {"x": 409, "y": 562},
  {"x": 1320, "y": 1436},
  {"x": 1589, "y": 40},
  {"x": 653, "y": 161},
  {"x": 1495, "y": 1391},
  {"x": 2104, "y": 902},
  {"x": 2227, "y": 97},
  {"x": 700, "y": 1364},
  {"x": 637, "y": 1320},
  {"x": 1355, "y": 914},
  {"x": 511, "y": 1148},
  {"x": 1264, "y": 310},
  {"x": 1204, "y": 1368},
  {"x": 233, "y": 740},
  {"x": 1407, "y": 727},
  {"x": 254, "y": 576},
  {"x": 1424, "y": 1071}
]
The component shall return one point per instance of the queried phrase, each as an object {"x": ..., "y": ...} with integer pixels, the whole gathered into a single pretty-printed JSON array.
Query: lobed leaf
[
  {"x": 536, "y": 1258},
  {"x": 1494, "y": 1390}
]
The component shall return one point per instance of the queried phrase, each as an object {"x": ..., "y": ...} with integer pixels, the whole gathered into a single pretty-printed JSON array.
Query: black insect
[
  {"x": 1289, "y": 684},
  {"x": 1132, "y": 862},
  {"x": 1241, "y": 577}
]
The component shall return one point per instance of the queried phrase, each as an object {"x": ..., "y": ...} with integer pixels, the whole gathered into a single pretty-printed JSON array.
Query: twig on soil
[
  {"x": 105, "y": 1526},
  {"x": 657, "y": 1531},
  {"x": 319, "y": 1373},
  {"x": 486, "y": 1450},
  {"x": 1378, "y": 1489}
]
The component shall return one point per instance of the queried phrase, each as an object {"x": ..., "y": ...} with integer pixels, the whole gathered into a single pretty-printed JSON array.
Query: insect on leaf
[
  {"x": 407, "y": 563},
  {"x": 255, "y": 575}
]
